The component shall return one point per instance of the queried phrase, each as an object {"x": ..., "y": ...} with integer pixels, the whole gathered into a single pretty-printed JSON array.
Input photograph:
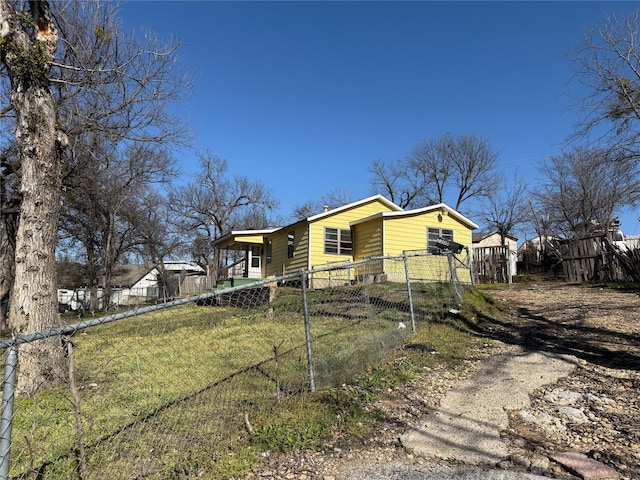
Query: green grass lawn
[{"x": 202, "y": 391}]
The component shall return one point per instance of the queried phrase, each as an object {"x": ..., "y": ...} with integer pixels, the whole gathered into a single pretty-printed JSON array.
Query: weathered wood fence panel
[
  {"x": 196, "y": 285},
  {"x": 581, "y": 259},
  {"x": 492, "y": 264},
  {"x": 593, "y": 259}
]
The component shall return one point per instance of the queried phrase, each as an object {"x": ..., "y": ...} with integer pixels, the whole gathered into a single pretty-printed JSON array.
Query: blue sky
[{"x": 305, "y": 95}]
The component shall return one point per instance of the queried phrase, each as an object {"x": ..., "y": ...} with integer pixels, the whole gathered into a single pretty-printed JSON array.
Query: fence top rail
[
  {"x": 351, "y": 264},
  {"x": 75, "y": 327},
  {"x": 94, "y": 322},
  {"x": 342, "y": 265}
]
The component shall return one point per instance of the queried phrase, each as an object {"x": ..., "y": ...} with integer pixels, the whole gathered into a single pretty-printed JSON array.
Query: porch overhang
[{"x": 242, "y": 239}]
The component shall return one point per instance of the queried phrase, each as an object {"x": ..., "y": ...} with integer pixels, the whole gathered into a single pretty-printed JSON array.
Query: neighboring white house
[{"x": 138, "y": 284}]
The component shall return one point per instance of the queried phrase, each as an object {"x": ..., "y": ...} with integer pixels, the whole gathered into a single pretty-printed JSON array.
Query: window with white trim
[
  {"x": 338, "y": 241},
  {"x": 433, "y": 234},
  {"x": 291, "y": 241},
  {"x": 269, "y": 251},
  {"x": 255, "y": 256}
]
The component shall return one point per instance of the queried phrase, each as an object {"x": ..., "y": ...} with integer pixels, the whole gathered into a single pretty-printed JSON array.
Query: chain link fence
[{"x": 181, "y": 389}]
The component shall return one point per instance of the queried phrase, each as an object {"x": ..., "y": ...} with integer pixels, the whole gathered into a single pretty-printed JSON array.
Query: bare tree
[
  {"x": 585, "y": 188},
  {"x": 113, "y": 103},
  {"x": 452, "y": 168},
  {"x": 507, "y": 208},
  {"x": 71, "y": 81},
  {"x": 156, "y": 236},
  {"x": 115, "y": 84},
  {"x": 607, "y": 66},
  {"x": 102, "y": 208},
  {"x": 464, "y": 164},
  {"x": 255, "y": 217},
  {"x": 543, "y": 249},
  {"x": 332, "y": 199},
  {"x": 399, "y": 182},
  {"x": 213, "y": 204},
  {"x": 27, "y": 48}
]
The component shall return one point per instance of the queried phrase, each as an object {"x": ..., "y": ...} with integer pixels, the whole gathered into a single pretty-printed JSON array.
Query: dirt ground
[{"x": 599, "y": 327}]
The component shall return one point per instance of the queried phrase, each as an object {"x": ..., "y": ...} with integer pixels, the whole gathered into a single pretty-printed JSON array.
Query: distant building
[
  {"x": 139, "y": 284},
  {"x": 487, "y": 240}
]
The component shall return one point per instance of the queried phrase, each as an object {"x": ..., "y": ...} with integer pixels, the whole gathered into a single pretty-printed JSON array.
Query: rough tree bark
[
  {"x": 8, "y": 227},
  {"x": 9, "y": 210},
  {"x": 28, "y": 43}
]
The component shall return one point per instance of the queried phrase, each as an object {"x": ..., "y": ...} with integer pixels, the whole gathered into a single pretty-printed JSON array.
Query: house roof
[
  {"x": 442, "y": 207},
  {"x": 240, "y": 237},
  {"x": 74, "y": 275},
  {"x": 129, "y": 275},
  {"x": 477, "y": 237},
  {"x": 373, "y": 198},
  {"x": 181, "y": 265},
  {"x": 243, "y": 236}
]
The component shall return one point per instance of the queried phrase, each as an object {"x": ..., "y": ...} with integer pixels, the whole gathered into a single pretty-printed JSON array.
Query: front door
[{"x": 255, "y": 270}]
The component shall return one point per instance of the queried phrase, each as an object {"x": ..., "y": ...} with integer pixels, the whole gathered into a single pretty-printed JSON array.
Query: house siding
[
  {"x": 494, "y": 240},
  {"x": 340, "y": 220},
  {"x": 368, "y": 239},
  {"x": 300, "y": 260},
  {"x": 410, "y": 233},
  {"x": 254, "y": 239},
  {"x": 281, "y": 264},
  {"x": 378, "y": 228},
  {"x": 278, "y": 253}
]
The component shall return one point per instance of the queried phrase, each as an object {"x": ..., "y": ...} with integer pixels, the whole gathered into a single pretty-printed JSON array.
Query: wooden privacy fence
[
  {"x": 492, "y": 264},
  {"x": 595, "y": 259},
  {"x": 582, "y": 259}
]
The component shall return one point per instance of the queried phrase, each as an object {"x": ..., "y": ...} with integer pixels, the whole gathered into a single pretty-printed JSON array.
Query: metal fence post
[
  {"x": 408, "y": 280},
  {"x": 304, "y": 277},
  {"x": 455, "y": 284},
  {"x": 6, "y": 421},
  {"x": 452, "y": 276},
  {"x": 471, "y": 265}
]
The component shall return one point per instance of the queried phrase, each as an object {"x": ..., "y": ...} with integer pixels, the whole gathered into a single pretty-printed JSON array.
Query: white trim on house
[
  {"x": 447, "y": 210},
  {"x": 333, "y": 211}
]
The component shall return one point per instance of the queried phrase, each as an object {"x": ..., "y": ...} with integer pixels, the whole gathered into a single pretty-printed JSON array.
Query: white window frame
[
  {"x": 341, "y": 242},
  {"x": 445, "y": 233}
]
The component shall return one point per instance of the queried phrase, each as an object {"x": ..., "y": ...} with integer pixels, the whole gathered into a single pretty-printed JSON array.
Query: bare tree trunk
[
  {"x": 7, "y": 265},
  {"x": 9, "y": 209},
  {"x": 92, "y": 278},
  {"x": 214, "y": 268},
  {"x": 109, "y": 260},
  {"x": 34, "y": 304}
]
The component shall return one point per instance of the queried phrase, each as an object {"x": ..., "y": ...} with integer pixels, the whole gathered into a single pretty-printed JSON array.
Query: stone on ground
[
  {"x": 585, "y": 467},
  {"x": 467, "y": 424}
]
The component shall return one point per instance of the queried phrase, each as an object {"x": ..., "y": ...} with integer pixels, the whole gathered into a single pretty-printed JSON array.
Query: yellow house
[{"x": 372, "y": 227}]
